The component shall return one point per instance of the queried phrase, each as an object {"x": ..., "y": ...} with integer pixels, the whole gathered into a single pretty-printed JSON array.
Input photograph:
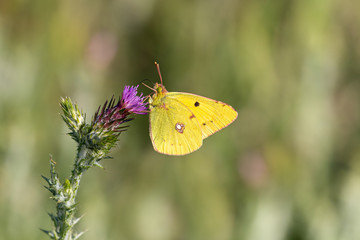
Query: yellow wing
[
  {"x": 212, "y": 115},
  {"x": 174, "y": 130}
]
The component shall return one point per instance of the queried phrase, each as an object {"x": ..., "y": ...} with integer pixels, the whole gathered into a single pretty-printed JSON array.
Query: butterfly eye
[
  {"x": 180, "y": 127},
  {"x": 197, "y": 104}
]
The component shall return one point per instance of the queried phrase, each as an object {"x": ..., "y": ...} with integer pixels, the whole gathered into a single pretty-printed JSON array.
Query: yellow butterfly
[{"x": 180, "y": 121}]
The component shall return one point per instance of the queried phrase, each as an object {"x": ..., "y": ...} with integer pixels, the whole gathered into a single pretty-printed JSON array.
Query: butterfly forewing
[
  {"x": 212, "y": 115},
  {"x": 177, "y": 131}
]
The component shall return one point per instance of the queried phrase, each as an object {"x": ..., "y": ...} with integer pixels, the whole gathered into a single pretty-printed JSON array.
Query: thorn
[
  {"x": 50, "y": 190},
  {"x": 49, "y": 233},
  {"x": 46, "y": 179},
  {"x": 76, "y": 220},
  {"x": 77, "y": 236},
  {"x": 51, "y": 158},
  {"x": 53, "y": 218},
  {"x": 98, "y": 165}
]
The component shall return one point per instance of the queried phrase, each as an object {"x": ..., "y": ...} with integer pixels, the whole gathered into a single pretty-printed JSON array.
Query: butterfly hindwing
[
  {"x": 177, "y": 131},
  {"x": 212, "y": 115}
]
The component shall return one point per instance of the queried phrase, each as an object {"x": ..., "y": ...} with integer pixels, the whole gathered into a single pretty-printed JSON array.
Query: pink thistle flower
[{"x": 112, "y": 116}]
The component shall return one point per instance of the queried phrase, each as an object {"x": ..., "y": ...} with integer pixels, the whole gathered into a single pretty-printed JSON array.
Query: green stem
[
  {"x": 78, "y": 170},
  {"x": 66, "y": 209}
]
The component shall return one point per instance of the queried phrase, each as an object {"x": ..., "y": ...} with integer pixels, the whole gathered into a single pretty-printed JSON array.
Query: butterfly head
[
  {"x": 160, "y": 89},
  {"x": 159, "y": 92}
]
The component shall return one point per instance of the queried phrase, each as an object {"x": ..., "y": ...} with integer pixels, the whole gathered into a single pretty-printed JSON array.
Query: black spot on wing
[{"x": 197, "y": 104}]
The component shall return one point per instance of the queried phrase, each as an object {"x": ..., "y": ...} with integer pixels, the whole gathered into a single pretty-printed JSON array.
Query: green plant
[{"x": 94, "y": 142}]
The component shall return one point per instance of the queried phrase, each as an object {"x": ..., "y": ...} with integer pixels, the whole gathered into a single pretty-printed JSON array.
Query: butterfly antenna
[
  {"x": 158, "y": 69},
  {"x": 148, "y": 87},
  {"x": 146, "y": 79}
]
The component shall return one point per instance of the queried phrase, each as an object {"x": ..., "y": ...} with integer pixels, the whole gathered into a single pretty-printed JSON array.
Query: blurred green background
[{"x": 287, "y": 168}]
